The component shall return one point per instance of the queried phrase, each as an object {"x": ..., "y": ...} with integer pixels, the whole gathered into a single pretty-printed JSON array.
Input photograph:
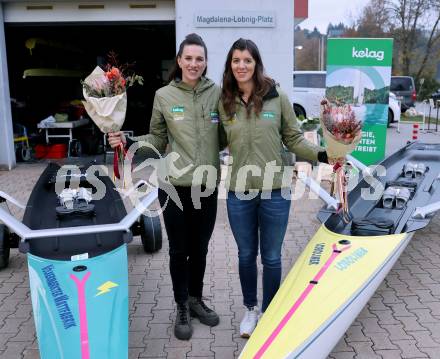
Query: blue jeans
[{"x": 265, "y": 221}]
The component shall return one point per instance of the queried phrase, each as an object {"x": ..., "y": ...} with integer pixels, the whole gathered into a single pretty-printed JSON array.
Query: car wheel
[
  {"x": 151, "y": 233},
  {"x": 4, "y": 246},
  {"x": 390, "y": 117},
  {"x": 299, "y": 111}
]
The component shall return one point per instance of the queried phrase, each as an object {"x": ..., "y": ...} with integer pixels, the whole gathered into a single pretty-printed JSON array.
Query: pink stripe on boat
[
  {"x": 336, "y": 252},
  {"x": 83, "y": 327}
]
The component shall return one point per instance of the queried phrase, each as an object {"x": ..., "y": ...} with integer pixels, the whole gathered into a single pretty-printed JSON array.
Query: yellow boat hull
[{"x": 324, "y": 292}]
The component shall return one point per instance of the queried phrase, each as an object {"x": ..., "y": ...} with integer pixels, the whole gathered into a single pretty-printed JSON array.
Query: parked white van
[{"x": 309, "y": 90}]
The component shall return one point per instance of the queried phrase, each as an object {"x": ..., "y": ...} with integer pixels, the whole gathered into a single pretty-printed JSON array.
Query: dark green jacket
[
  {"x": 187, "y": 120},
  {"x": 256, "y": 143}
]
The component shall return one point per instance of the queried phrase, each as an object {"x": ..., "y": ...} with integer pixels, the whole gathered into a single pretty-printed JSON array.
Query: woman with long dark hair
[
  {"x": 185, "y": 118},
  {"x": 257, "y": 118}
]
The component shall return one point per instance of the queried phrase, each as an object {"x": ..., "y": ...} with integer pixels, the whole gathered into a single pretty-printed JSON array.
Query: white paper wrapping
[
  {"x": 108, "y": 113},
  {"x": 336, "y": 148}
]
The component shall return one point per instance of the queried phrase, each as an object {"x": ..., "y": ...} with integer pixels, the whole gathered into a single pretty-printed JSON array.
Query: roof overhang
[{"x": 301, "y": 11}]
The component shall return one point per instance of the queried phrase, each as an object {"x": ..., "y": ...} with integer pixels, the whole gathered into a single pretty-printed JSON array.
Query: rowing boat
[
  {"x": 344, "y": 263},
  {"x": 76, "y": 247}
]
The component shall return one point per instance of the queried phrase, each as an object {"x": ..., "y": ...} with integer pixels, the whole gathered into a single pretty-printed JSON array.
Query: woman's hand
[
  {"x": 116, "y": 138},
  {"x": 324, "y": 157},
  {"x": 333, "y": 161}
]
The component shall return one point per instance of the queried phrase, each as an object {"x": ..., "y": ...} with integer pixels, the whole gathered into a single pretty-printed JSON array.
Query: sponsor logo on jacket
[
  {"x": 214, "y": 116},
  {"x": 178, "y": 113},
  {"x": 268, "y": 115}
]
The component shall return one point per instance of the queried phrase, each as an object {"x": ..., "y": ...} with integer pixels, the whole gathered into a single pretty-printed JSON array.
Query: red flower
[
  {"x": 114, "y": 81},
  {"x": 114, "y": 73}
]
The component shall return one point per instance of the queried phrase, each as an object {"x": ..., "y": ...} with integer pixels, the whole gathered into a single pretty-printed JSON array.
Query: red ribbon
[
  {"x": 341, "y": 182},
  {"x": 119, "y": 151},
  {"x": 336, "y": 166}
]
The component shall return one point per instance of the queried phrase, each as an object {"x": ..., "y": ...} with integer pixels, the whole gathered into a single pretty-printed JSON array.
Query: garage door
[{"x": 18, "y": 12}]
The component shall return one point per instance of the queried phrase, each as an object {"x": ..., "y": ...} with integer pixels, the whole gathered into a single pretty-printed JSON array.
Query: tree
[
  {"x": 433, "y": 40},
  {"x": 336, "y": 30},
  {"x": 414, "y": 25},
  {"x": 413, "y": 18},
  {"x": 374, "y": 20},
  {"x": 308, "y": 57}
]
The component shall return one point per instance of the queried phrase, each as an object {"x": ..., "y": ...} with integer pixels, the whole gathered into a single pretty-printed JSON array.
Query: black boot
[
  {"x": 182, "y": 328},
  {"x": 198, "y": 309}
]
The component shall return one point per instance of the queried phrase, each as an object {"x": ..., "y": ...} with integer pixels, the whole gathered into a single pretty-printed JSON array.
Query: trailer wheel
[
  {"x": 390, "y": 117},
  {"x": 23, "y": 154},
  {"x": 151, "y": 233},
  {"x": 4, "y": 246}
]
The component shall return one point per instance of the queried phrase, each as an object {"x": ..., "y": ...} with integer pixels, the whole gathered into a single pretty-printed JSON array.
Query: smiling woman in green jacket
[
  {"x": 257, "y": 119},
  {"x": 185, "y": 118}
]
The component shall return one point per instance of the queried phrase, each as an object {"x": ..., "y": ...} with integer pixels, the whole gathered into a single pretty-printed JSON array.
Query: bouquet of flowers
[
  {"x": 341, "y": 132},
  {"x": 106, "y": 100}
]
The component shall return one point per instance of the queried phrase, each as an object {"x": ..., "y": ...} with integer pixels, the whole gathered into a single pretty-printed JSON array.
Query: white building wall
[
  {"x": 74, "y": 11},
  {"x": 7, "y": 155},
  {"x": 275, "y": 43}
]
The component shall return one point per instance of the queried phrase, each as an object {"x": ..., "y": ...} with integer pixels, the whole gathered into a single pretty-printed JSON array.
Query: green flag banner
[{"x": 359, "y": 74}]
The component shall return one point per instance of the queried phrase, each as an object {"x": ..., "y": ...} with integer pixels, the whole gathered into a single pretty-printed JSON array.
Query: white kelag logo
[{"x": 378, "y": 55}]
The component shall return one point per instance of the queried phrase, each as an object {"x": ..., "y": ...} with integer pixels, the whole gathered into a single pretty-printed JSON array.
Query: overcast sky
[{"x": 323, "y": 12}]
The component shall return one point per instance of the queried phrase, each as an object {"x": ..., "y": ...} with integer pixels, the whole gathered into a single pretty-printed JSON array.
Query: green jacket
[
  {"x": 187, "y": 120},
  {"x": 256, "y": 143}
]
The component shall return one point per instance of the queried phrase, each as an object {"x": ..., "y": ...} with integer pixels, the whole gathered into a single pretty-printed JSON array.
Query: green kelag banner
[{"x": 359, "y": 73}]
